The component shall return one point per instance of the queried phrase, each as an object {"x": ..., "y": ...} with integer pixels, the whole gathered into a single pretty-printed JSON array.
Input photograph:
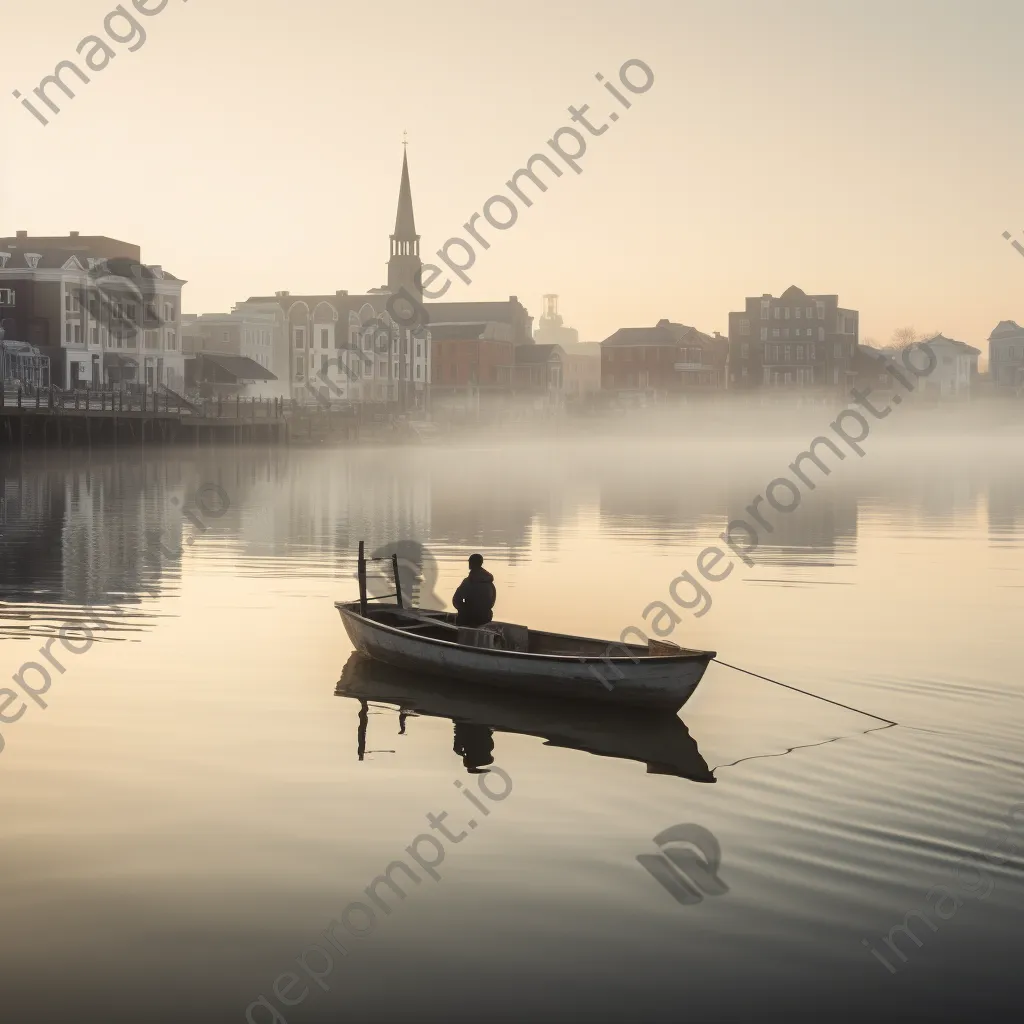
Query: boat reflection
[{"x": 657, "y": 739}]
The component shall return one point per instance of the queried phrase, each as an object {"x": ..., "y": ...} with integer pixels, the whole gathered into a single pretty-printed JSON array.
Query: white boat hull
[{"x": 608, "y": 675}]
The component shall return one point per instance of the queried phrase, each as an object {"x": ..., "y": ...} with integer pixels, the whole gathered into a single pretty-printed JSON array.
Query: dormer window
[
  {"x": 32, "y": 259},
  {"x": 4, "y": 257}
]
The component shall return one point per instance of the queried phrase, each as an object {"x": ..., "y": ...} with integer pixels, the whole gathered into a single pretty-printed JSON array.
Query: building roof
[
  {"x": 663, "y": 333},
  {"x": 405, "y": 224},
  {"x": 1005, "y": 329},
  {"x": 538, "y": 353},
  {"x": 952, "y": 341},
  {"x": 77, "y": 259},
  {"x": 793, "y": 294},
  {"x": 239, "y": 367}
]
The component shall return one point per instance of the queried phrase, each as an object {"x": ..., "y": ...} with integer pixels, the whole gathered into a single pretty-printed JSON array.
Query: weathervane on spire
[{"x": 405, "y": 139}]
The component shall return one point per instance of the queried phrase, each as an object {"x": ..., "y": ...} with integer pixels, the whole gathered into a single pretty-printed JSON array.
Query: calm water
[{"x": 196, "y": 805}]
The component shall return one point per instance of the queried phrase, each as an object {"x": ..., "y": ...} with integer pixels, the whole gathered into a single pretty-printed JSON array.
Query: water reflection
[{"x": 658, "y": 740}]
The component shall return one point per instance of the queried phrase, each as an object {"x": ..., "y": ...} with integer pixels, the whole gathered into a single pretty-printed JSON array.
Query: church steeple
[{"x": 404, "y": 264}]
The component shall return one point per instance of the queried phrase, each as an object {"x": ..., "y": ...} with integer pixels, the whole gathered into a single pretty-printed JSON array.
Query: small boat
[
  {"x": 657, "y": 739},
  {"x": 512, "y": 657}
]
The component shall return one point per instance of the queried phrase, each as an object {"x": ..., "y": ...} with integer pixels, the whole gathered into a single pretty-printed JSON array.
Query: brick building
[
  {"x": 90, "y": 305},
  {"x": 667, "y": 359},
  {"x": 793, "y": 341}
]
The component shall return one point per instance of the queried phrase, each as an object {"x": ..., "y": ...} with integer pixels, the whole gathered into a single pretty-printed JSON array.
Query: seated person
[{"x": 474, "y": 600}]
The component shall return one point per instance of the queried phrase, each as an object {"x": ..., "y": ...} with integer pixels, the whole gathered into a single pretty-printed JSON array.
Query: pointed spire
[{"x": 405, "y": 225}]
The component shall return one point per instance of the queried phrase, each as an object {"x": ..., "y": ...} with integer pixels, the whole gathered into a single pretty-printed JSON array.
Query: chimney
[
  {"x": 22, "y": 234},
  {"x": 282, "y": 295},
  {"x": 341, "y": 293},
  {"x": 74, "y": 234}
]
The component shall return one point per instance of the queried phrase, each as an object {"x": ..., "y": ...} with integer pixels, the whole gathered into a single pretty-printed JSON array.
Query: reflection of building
[
  {"x": 90, "y": 305},
  {"x": 667, "y": 359},
  {"x": 794, "y": 341},
  {"x": 1006, "y": 357},
  {"x": 815, "y": 534}
]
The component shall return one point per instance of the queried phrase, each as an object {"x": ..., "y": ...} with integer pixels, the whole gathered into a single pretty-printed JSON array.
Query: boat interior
[{"x": 506, "y": 636}]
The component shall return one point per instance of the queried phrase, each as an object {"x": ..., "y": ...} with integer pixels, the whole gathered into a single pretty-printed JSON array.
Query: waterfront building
[
  {"x": 356, "y": 348},
  {"x": 667, "y": 359},
  {"x": 795, "y": 341},
  {"x": 246, "y": 332},
  {"x": 551, "y": 329},
  {"x": 90, "y": 305},
  {"x": 1006, "y": 357},
  {"x": 955, "y": 371}
]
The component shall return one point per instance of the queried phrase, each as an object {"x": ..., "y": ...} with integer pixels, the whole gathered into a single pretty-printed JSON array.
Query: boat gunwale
[{"x": 685, "y": 654}]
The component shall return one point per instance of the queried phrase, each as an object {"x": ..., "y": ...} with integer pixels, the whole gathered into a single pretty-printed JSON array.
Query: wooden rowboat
[{"x": 512, "y": 657}]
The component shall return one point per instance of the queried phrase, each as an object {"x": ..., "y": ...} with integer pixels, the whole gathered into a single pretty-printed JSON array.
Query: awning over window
[{"x": 230, "y": 369}]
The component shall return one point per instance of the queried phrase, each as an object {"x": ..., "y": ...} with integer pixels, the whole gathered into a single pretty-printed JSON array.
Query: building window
[
  {"x": 837, "y": 350},
  {"x": 821, "y": 310},
  {"x": 78, "y": 334},
  {"x": 808, "y": 312},
  {"x": 323, "y": 366},
  {"x": 67, "y": 334},
  {"x": 323, "y": 337},
  {"x": 799, "y": 353},
  {"x": 743, "y": 327},
  {"x": 764, "y": 333},
  {"x": 300, "y": 337},
  {"x": 744, "y": 351},
  {"x": 765, "y": 303},
  {"x": 787, "y": 312},
  {"x": 798, "y": 311},
  {"x": 172, "y": 341},
  {"x": 382, "y": 370},
  {"x": 835, "y": 375},
  {"x": 786, "y": 354},
  {"x": 777, "y": 313},
  {"x": 168, "y": 313},
  {"x": 299, "y": 366},
  {"x": 821, "y": 334},
  {"x": 775, "y": 332}
]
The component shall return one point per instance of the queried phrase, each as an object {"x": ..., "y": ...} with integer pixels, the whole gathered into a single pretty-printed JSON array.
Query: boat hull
[{"x": 665, "y": 682}]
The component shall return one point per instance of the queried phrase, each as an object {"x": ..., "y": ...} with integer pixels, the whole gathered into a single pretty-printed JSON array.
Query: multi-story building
[
  {"x": 1006, "y": 357},
  {"x": 793, "y": 341},
  {"x": 955, "y": 370},
  {"x": 252, "y": 333},
  {"x": 582, "y": 366},
  {"x": 667, "y": 359},
  {"x": 352, "y": 348},
  {"x": 91, "y": 306},
  {"x": 471, "y": 355}
]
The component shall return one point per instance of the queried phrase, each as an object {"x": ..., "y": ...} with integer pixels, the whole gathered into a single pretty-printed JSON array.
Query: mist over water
[{"x": 189, "y": 811}]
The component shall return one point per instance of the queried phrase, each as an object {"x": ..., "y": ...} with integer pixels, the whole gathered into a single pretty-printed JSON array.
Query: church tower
[{"x": 404, "y": 265}]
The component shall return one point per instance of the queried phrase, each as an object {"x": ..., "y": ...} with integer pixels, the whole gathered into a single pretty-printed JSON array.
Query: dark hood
[{"x": 480, "y": 576}]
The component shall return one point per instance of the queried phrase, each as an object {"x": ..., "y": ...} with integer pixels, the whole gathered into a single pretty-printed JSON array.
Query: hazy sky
[{"x": 867, "y": 149}]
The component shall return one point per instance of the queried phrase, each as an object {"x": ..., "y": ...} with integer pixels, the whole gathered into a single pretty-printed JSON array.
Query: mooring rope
[{"x": 806, "y": 693}]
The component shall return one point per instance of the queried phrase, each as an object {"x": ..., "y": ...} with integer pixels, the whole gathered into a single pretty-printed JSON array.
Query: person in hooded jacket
[{"x": 474, "y": 600}]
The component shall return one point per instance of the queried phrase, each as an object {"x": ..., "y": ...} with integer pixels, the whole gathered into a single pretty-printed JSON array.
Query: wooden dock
[{"x": 84, "y": 418}]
